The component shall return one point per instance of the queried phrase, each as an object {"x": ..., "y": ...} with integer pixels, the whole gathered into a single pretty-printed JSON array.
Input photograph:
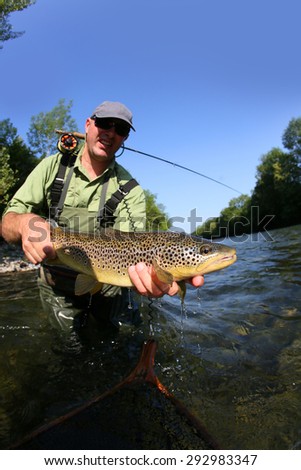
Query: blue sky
[{"x": 212, "y": 84}]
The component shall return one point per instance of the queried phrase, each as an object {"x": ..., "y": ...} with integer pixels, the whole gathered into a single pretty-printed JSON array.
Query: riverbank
[{"x": 12, "y": 259}]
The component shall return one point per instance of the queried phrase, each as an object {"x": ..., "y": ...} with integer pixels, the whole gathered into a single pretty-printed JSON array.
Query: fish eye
[{"x": 205, "y": 250}]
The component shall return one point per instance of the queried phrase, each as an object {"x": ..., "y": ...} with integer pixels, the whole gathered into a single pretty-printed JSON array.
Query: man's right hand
[{"x": 33, "y": 232}]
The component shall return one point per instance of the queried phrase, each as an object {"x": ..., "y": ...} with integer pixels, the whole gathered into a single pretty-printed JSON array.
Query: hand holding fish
[
  {"x": 33, "y": 232},
  {"x": 147, "y": 283}
]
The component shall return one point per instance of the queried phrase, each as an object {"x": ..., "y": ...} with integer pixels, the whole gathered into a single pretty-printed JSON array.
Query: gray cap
[{"x": 114, "y": 109}]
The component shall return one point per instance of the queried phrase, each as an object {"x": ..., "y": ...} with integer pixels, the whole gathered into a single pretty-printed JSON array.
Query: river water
[{"x": 233, "y": 357}]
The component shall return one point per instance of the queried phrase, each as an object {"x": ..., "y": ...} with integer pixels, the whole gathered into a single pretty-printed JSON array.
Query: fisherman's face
[{"x": 102, "y": 143}]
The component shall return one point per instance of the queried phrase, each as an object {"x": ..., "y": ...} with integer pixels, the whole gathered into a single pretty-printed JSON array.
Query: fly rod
[{"x": 67, "y": 143}]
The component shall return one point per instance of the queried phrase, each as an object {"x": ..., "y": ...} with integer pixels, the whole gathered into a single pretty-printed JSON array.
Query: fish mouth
[
  {"x": 226, "y": 259},
  {"x": 217, "y": 263}
]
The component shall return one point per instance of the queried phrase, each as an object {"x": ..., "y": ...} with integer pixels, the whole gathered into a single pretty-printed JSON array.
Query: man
[{"x": 89, "y": 182}]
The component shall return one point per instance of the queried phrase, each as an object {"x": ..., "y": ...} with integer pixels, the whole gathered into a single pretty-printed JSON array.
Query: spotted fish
[{"x": 106, "y": 257}]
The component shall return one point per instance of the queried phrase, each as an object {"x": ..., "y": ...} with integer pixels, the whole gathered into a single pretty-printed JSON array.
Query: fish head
[
  {"x": 215, "y": 257},
  {"x": 197, "y": 256}
]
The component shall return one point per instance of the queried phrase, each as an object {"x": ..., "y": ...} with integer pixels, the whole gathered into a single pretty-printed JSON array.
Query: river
[{"x": 233, "y": 357}]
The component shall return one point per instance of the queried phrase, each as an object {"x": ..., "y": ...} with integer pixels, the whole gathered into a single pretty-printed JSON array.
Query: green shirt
[{"x": 82, "y": 200}]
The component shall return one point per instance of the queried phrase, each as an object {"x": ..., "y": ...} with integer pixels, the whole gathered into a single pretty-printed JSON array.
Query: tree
[
  {"x": 8, "y": 132},
  {"x": 7, "y": 178},
  {"x": 7, "y": 7},
  {"x": 210, "y": 228},
  {"x": 21, "y": 159},
  {"x": 42, "y": 136},
  {"x": 278, "y": 189},
  {"x": 156, "y": 217},
  {"x": 235, "y": 219},
  {"x": 291, "y": 138}
]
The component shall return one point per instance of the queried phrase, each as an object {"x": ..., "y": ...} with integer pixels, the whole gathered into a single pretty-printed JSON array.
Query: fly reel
[{"x": 67, "y": 143}]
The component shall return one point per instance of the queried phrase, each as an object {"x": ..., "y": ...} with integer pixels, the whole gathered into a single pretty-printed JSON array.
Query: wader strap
[
  {"x": 67, "y": 160},
  {"x": 107, "y": 210},
  {"x": 60, "y": 205},
  {"x": 101, "y": 207}
]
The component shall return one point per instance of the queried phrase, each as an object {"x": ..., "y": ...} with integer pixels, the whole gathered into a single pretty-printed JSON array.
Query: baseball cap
[{"x": 113, "y": 109}]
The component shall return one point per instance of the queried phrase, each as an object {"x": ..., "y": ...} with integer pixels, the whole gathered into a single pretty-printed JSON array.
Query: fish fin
[
  {"x": 85, "y": 284},
  {"x": 167, "y": 277},
  {"x": 96, "y": 288},
  {"x": 161, "y": 274},
  {"x": 182, "y": 290}
]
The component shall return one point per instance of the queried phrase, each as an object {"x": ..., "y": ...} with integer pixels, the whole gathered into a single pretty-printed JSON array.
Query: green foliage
[
  {"x": 291, "y": 138},
  {"x": 233, "y": 220},
  {"x": 156, "y": 217},
  {"x": 210, "y": 228},
  {"x": 7, "y": 7},
  {"x": 7, "y": 178},
  {"x": 8, "y": 133},
  {"x": 238, "y": 207},
  {"x": 21, "y": 159},
  {"x": 42, "y": 136},
  {"x": 278, "y": 187}
]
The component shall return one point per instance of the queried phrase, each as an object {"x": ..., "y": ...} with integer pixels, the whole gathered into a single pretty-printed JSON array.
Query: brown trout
[{"x": 106, "y": 257}]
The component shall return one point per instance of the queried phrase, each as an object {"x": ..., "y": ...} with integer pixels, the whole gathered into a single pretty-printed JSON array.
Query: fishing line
[{"x": 182, "y": 167}]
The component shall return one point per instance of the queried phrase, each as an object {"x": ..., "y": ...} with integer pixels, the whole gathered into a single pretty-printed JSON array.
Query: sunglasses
[{"x": 121, "y": 128}]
